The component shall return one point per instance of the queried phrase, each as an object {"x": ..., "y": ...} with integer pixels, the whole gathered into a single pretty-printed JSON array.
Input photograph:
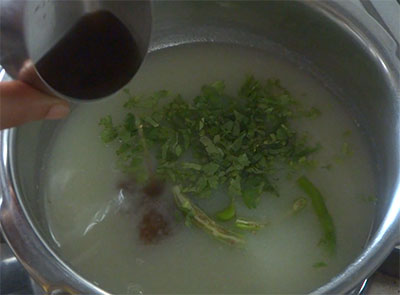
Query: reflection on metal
[
  {"x": 370, "y": 8},
  {"x": 363, "y": 287},
  {"x": 359, "y": 60}
]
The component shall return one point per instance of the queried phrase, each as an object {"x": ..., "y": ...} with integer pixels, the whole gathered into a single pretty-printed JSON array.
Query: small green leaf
[
  {"x": 130, "y": 123},
  {"x": 251, "y": 191},
  {"x": 346, "y": 149},
  {"x": 132, "y": 102},
  {"x": 234, "y": 186},
  {"x": 201, "y": 124},
  {"x": 243, "y": 160},
  {"x": 151, "y": 121},
  {"x": 211, "y": 148},
  {"x": 178, "y": 150},
  {"x": 217, "y": 139},
  {"x": 313, "y": 113},
  {"x": 164, "y": 149},
  {"x": 236, "y": 129},
  {"x": 237, "y": 144},
  {"x": 347, "y": 133},
  {"x": 194, "y": 166},
  {"x": 213, "y": 181},
  {"x": 219, "y": 86},
  {"x": 210, "y": 168},
  {"x": 228, "y": 126},
  {"x": 160, "y": 94},
  {"x": 320, "y": 264},
  {"x": 109, "y": 132},
  {"x": 327, "y": 166}
]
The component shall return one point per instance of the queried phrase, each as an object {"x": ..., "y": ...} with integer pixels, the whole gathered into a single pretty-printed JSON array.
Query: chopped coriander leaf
[
  {"x": 347, "y": 149},
  {"x": 347, "y": 133},
  {"x": 346, "y": 152},
  {"x": 327, "y": 166},
  {"x": 319, "y": 264},
  {"x": 252, "y": 190},
  {"x": 313, "y": 113},
  {"x": 235, "y": 186},
  {"x": 109, "y": 132},
  {"x": 237, "y": 142}
]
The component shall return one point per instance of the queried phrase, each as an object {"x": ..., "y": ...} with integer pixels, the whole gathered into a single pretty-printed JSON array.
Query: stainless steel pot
[{"x": 349, "y": 43}]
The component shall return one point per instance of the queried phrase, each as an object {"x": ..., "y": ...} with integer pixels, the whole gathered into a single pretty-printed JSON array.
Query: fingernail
[{"x": 57, "y": 111}]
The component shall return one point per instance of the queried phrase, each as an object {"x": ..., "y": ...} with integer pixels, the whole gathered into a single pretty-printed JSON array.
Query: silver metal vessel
[{"x": 351, "y": 46}]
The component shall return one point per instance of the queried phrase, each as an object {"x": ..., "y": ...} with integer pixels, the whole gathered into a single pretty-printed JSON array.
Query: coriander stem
[
  {"x": 147, "y": 157},
  {"x": 249, "y": 224},
  {"x": 202, "y": 221}
]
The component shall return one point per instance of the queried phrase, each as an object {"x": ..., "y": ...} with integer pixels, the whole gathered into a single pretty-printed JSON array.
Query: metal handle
[{"x": 376, "y": 9}]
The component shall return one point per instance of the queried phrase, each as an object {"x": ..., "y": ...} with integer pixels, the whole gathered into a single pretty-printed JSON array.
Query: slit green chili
[{"x": 328, "y": 239}]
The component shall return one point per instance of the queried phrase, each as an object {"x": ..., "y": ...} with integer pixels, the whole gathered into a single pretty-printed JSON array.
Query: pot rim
[{"x": 54, "y": 274}]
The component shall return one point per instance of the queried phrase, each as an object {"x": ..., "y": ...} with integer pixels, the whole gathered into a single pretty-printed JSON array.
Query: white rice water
[{"x": 96, "y": 227}]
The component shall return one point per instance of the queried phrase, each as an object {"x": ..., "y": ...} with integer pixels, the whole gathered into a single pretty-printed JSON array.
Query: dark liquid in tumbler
[{"x": 95, "y": 58}]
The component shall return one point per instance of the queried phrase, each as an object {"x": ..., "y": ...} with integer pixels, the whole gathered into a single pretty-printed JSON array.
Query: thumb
[{"x": 20, "y": 103}]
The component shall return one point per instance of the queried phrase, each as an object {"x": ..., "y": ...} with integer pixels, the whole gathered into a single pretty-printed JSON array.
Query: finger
[{"x": 20, "y": 103}]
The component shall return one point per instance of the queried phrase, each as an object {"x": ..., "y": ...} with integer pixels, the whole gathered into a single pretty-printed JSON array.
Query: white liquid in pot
[{"x": 96, "y": 227}]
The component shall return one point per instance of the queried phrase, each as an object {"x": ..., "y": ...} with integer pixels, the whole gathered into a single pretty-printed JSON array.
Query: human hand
[{"x": 20, "y": 103}]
